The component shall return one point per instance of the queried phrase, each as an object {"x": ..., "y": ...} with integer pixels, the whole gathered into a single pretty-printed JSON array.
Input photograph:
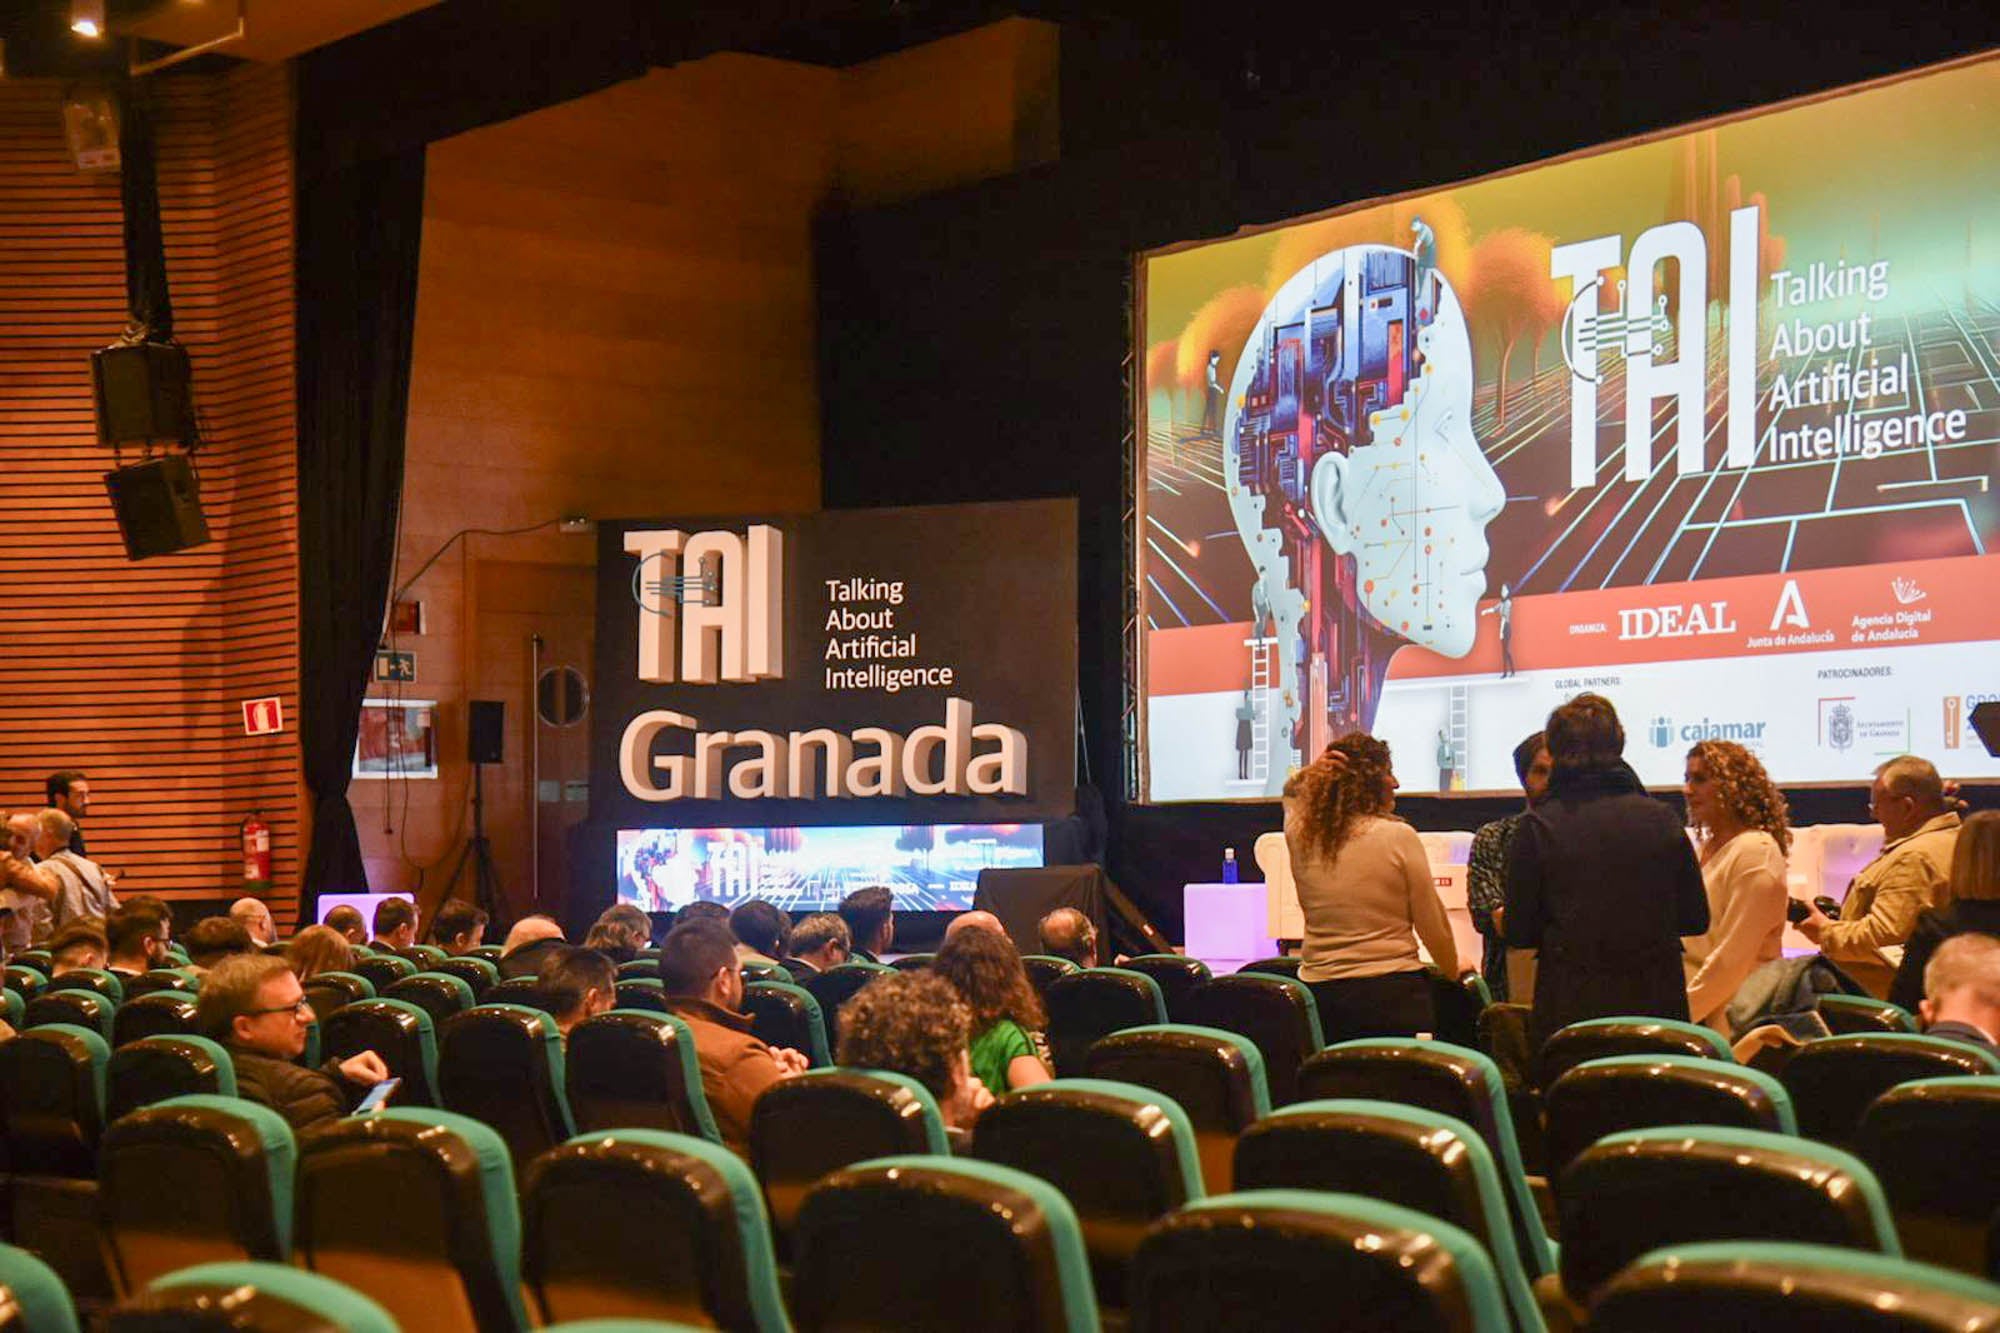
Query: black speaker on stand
[{"x": 485, "y": 725}]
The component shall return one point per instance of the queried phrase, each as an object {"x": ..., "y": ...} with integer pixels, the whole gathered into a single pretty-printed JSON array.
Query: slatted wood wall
[{"x": 134, "y": 672}]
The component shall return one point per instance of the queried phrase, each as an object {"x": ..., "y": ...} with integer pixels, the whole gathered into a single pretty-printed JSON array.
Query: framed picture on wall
[{"x": 398, "y": 739}]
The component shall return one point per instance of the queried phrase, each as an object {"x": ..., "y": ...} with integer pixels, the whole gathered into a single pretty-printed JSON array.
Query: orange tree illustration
[{"x": 1512, "y": 299}]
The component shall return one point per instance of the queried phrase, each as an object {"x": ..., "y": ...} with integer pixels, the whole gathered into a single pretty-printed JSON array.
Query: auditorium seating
[
  {"x": 503, "y": 1064},
  {"x": 1643, "y": 1189},
  {"x": 93, "y": 979},
  {"x": 755, "y": 969},
  {"x": 1043, "y": 970},
  {"x": 628, "y": 1069},
  {"x": 1863, "y": 1013},
  {"x": 640, "y": 969},
  {"x": 1093, "y": 1003},
  {"x": 1123, "y": 1155},
  {"x": 423, "y": 957},
  {"x": 912, "y": 962},
  {"x": 1216, "y": 1077},
  {"x": 833, "y": 987},
  {"x": 1285, "y": 965},
  {"x": 785, "y": 1015},
  {"x": 435, "y": 993},
  {"x": 1598, "y": 1038},
  {"x": 193, "y": 1180},
  {"x": 381, "y": 970},
  {"x": 27, "y": 982},
  {"x": 1271, "y": 1259},
  {"x": 524, "y": 991},
  {"x": 646, "y": 993},
  {"x": 825, "y": 1119},
  {"x": 1775, "y": 1287},
  {"x": 163, "y": 1013},
  {"x": 1462, "y": 1084},
  {"x": 38, "y": 959},
  {"x": 328, "y": 991},
  {"x": 400, "y": 1032},
  {"x": 875, "y": 1239},
  {"x": 1177, "y": 976},
  {"x": 32, "y": 1297},
  {"x": 416, "y": 1209},
  {"x": 12, "y": 1006},
  {"x": 1932, "y": 1145},
  {"x": 1458, "y": 1002},
  {"x": 1417, "y": 1159},
  {"x": 1603, "y": 1097},
  {"x": 474, "y": 972},
  {"x": 1277, "y": 1012},
  {"x": 1833, "y": 1080},
  {"x": 492, "y": 953},
  {"x": 185, "y": 980},
  {"x": 51, "y": 1117},
  {"x": 643, "y": 1224},
  {"x": 250, "y": 1297},
  {"x": 152, "y": 1069},
  {"x": 76, "y": 1008}
]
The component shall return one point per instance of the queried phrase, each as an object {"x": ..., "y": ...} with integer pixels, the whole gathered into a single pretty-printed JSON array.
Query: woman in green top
[{"x": 1007, "y": 1019}]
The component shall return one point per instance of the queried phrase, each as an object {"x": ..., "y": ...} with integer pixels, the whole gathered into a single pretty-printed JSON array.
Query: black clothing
[
  {"x": 800, "y": 969},
  {"x": 1398, "y": 1004},
  {"x": 859, "y": 955},
  {"x": 305, "y": 1097},
  {"x": 526, "y": 961},
  {"x": 76, "y": 840},
  {"x": 1603, "y": 881},
  {"x": 1934, "y": 926}
]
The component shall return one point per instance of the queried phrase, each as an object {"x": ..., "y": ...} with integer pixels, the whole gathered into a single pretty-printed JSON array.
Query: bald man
[
  {"x": 974, "y": 921},
  {"x": 82, "y": 888},
  {"x": 1067, "y": 933},
  {"x": 255, "y": 917},
  {"x": 529, "y": 943}
]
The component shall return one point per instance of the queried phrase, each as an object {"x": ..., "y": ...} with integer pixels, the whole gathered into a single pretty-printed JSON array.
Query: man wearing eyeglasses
[{"x": 253, "y": 1004}]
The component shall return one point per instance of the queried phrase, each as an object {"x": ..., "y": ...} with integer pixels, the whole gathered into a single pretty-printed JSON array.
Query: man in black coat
[
  {"x": 1603, "y": 881},
  {"x": 253, "y": 1004}
]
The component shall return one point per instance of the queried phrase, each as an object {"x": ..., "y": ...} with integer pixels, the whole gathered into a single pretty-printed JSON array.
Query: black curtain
[{"x": 360, "y": 227}]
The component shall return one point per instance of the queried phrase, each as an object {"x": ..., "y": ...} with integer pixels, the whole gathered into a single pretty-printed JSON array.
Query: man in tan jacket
[
  {"x": 704, "y": 985},
  {"x": 1919, "y": 831}
]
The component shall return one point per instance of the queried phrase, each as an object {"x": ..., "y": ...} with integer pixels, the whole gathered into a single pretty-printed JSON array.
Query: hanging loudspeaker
[{"x": 158, "y": 505}]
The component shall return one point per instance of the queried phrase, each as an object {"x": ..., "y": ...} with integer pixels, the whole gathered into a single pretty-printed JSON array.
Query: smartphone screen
[{"x": 378, "y": 1096}]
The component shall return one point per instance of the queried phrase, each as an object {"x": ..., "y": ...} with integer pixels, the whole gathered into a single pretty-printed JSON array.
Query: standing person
[
  {"x": 1246, "y": 715},
  {"x": 1211, "y": 395},
  {"x": 1971, "y": 904},
  {"x": 26, "y": 889},
  {"x": 82, "y": 889},
  {"x": 1447, "y": 761},
  {"x": 69, "y": 791},
  {"x": 1919, "y": 831},
  {"x": 1745, "y": 836},
  {"x": 1365, "y": 885},
  {"x": 1602, "y": 882},
  {"x": 984, "y": 967},
  {"x": 1486, "y": 873}
]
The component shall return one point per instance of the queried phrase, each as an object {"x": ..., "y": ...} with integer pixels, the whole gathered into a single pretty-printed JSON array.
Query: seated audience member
[
  {"x": 913, "y": 1023},
  {"x": 459, "y": 927},
  {"x": 77, "y": 946},
  {"x": 532, "y": 939},
  {"x": 1962, "y": 991},
  {"x": 347, "y": 920},
  {"x": 256, "y": 919},
  {"x": 1365, "y": 885},
  {"x": 395, "y": 924},
  {"x": 82, "y": 889},
  {"x": 137, "y": 936},
  {"x": 973, "y": 920},
  {"x": 1742, "y": 819},
  {"x": 215, "y": 938},
  {"x": 318, "y": 949},
  {"x": 577, "y": 983},
  {"x": 761, "y": 930},
  {"x": 819, "y": 942},
  {"x": 619, "y": 933},
  {"x": 870, "y": 915},
  {"x": 253, "y": 1005},
  {"x": 984, "y": 967},
  {"x": 1068, "y": 933},
  {"x": 701, "y": 909},
  {"x": 1971, "y": 903},
  {"x": 1486, "y": 870},
  {"x": 704, "y": 985},
  {"x": 1919, "y": 829}
]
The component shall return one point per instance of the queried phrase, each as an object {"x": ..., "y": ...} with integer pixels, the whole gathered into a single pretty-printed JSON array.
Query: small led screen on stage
[
  {"x": 1705, "y": 423},
  {"x": 929, "y": 867}
]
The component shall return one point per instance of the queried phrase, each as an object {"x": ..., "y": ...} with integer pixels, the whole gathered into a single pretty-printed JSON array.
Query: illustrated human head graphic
[{"x": 1356, "y": 480}]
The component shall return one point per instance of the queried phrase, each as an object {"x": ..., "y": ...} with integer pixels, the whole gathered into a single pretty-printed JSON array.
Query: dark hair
[
  {"x": 569, "y": 973},
  {"x": 984, "y": 967},
  {"x": 864, "y": 911},
  {"x": 216, "y": 937},
  {"x": 701, "y": 909},
  {"x": 763, "y": 926},
  {"x": 1585, "y": 735},
  {"x": 76, "y": 936},
  {"x": 127, "y": 929},
  {"x": 457, "y": 917},
  {"x": 392, "y": 914},
  {"x": 909, "y": 1023},
  {"x": 60, "y": 781},
  {"x": 692, "y": 954},
  {"x": 816, "y": 932},
  {"x": 1524, "y": 755}
]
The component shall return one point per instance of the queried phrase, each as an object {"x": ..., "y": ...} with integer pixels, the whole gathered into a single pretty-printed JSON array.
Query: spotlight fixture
[{"x": 86, "y": 18}]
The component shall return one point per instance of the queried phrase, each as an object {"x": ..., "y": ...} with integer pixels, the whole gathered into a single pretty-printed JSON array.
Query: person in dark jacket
[
  {"x": 252, "y": 1004},
  {"x": 1971, "y": 903},
  {"x": 1603, "y": 881}
]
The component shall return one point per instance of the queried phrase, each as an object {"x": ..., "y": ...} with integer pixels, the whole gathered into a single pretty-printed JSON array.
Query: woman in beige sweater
[
  {"x": 1742, "y": 821},
  {"x": 1366, "y": 889}
]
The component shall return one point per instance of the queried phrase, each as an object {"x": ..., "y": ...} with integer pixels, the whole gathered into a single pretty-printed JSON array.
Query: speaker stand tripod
[{"x": 478, "y": 854}]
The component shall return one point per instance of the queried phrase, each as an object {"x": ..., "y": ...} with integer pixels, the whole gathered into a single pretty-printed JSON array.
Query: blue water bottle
[{"x": 1229, "y": 865}]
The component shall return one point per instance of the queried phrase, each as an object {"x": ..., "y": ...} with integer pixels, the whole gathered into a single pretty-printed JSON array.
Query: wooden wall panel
[{"x": 131, "y": 671}]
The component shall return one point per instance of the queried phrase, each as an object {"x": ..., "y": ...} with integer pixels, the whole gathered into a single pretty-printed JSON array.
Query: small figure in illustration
[
  {"x": 1504, "y": 608},
  {"x": 1424, "y": 248},
  {"x": 1211, "y": 411},
  {"x": 1246, "y": 713},
  {"x": 1446, "y": 761}
]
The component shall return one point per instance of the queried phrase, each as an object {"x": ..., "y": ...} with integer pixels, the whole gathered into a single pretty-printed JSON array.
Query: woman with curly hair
[
  {"x": 1741, "y": 819},
  {"x": 1971, "y": 904},
  {"x": 913, "y": 1023},
  {"x": 984, "y": 967},
  {"x": 1366, "y": 889}
]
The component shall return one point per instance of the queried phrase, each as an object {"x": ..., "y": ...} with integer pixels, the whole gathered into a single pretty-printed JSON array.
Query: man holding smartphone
[{"x": 254, "y": 1005}]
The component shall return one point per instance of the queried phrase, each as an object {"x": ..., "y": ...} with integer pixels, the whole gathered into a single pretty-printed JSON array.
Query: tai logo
[
  {"x": 1661, "y": 729},
  {"x": 716, "y": 599}
]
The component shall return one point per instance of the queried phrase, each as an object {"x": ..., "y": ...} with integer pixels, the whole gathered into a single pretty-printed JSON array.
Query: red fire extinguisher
[{"x": 256, "y": 852}]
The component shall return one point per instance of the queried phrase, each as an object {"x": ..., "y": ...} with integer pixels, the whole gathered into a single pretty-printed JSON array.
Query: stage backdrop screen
[{"x": 1704, "y": 423}]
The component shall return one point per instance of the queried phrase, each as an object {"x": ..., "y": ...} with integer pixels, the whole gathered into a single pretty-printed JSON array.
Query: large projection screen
[{"x": 1705, "y": 423}]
